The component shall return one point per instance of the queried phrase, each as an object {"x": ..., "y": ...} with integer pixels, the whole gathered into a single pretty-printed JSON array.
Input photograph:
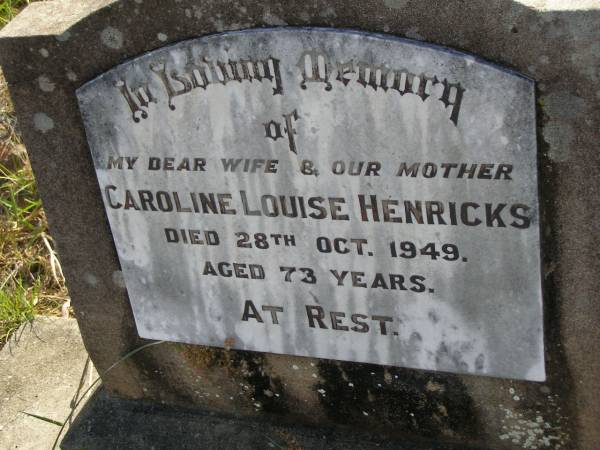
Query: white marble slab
[{"x": 453, "y": 286}]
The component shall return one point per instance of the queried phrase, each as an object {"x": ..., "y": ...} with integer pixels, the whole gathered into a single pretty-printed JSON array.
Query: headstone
[
  {"x": 327, "y": 226},
  {"x": 303, "y": 191}
]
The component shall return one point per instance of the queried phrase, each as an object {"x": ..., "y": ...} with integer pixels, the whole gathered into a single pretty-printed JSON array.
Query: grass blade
[
  {"x": 45, "y": 419},
  {"x": 103, "y": 374}
]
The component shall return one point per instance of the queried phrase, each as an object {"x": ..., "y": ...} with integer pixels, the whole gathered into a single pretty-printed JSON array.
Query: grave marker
[
  {"x": 128, "y": 109},
  {"x": 303, "y": 191}
]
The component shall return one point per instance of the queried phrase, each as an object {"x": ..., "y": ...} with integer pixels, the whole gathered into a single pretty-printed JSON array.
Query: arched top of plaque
[
  {"x": 291, "y": 58},
  {"x": 326, "y": 193}
]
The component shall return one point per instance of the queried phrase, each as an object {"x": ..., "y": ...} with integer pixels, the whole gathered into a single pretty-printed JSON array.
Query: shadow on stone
[{"x": 108, "y": 422}]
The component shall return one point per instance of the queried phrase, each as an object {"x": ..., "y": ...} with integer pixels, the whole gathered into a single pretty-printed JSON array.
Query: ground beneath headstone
[
  {"x": 107, "y": 422},
  {"x": 45, "y": 368}
]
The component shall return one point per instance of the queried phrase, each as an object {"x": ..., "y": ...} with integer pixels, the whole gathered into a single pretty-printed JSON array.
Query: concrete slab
[{"x": 42, "y": 368}]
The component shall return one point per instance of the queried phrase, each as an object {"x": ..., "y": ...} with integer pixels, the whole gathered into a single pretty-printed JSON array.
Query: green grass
[
  {"x": 19, "y": 202},
  {"x": 9, "y": 9},
  {"x": 31, "y": 279},
  {"x": 17, "y": 306}
]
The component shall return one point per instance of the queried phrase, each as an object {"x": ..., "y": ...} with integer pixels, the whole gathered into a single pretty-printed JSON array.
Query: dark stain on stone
[
  {"x": 479, "y": 362},
  {"x": 406, "y": 401},
  {"x": 557, "y": 367},
  {"x": 443, "y": 355},
  {"x": 433, "y": 317},
  {"x": 242, "y": 365}
]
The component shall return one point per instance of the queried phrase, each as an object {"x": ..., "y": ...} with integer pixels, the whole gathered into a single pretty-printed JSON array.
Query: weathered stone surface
[
  {"x": 381, "y": 220},
  {"x": 108, "y": 422},
  {"x": 557, "y": 48}
]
